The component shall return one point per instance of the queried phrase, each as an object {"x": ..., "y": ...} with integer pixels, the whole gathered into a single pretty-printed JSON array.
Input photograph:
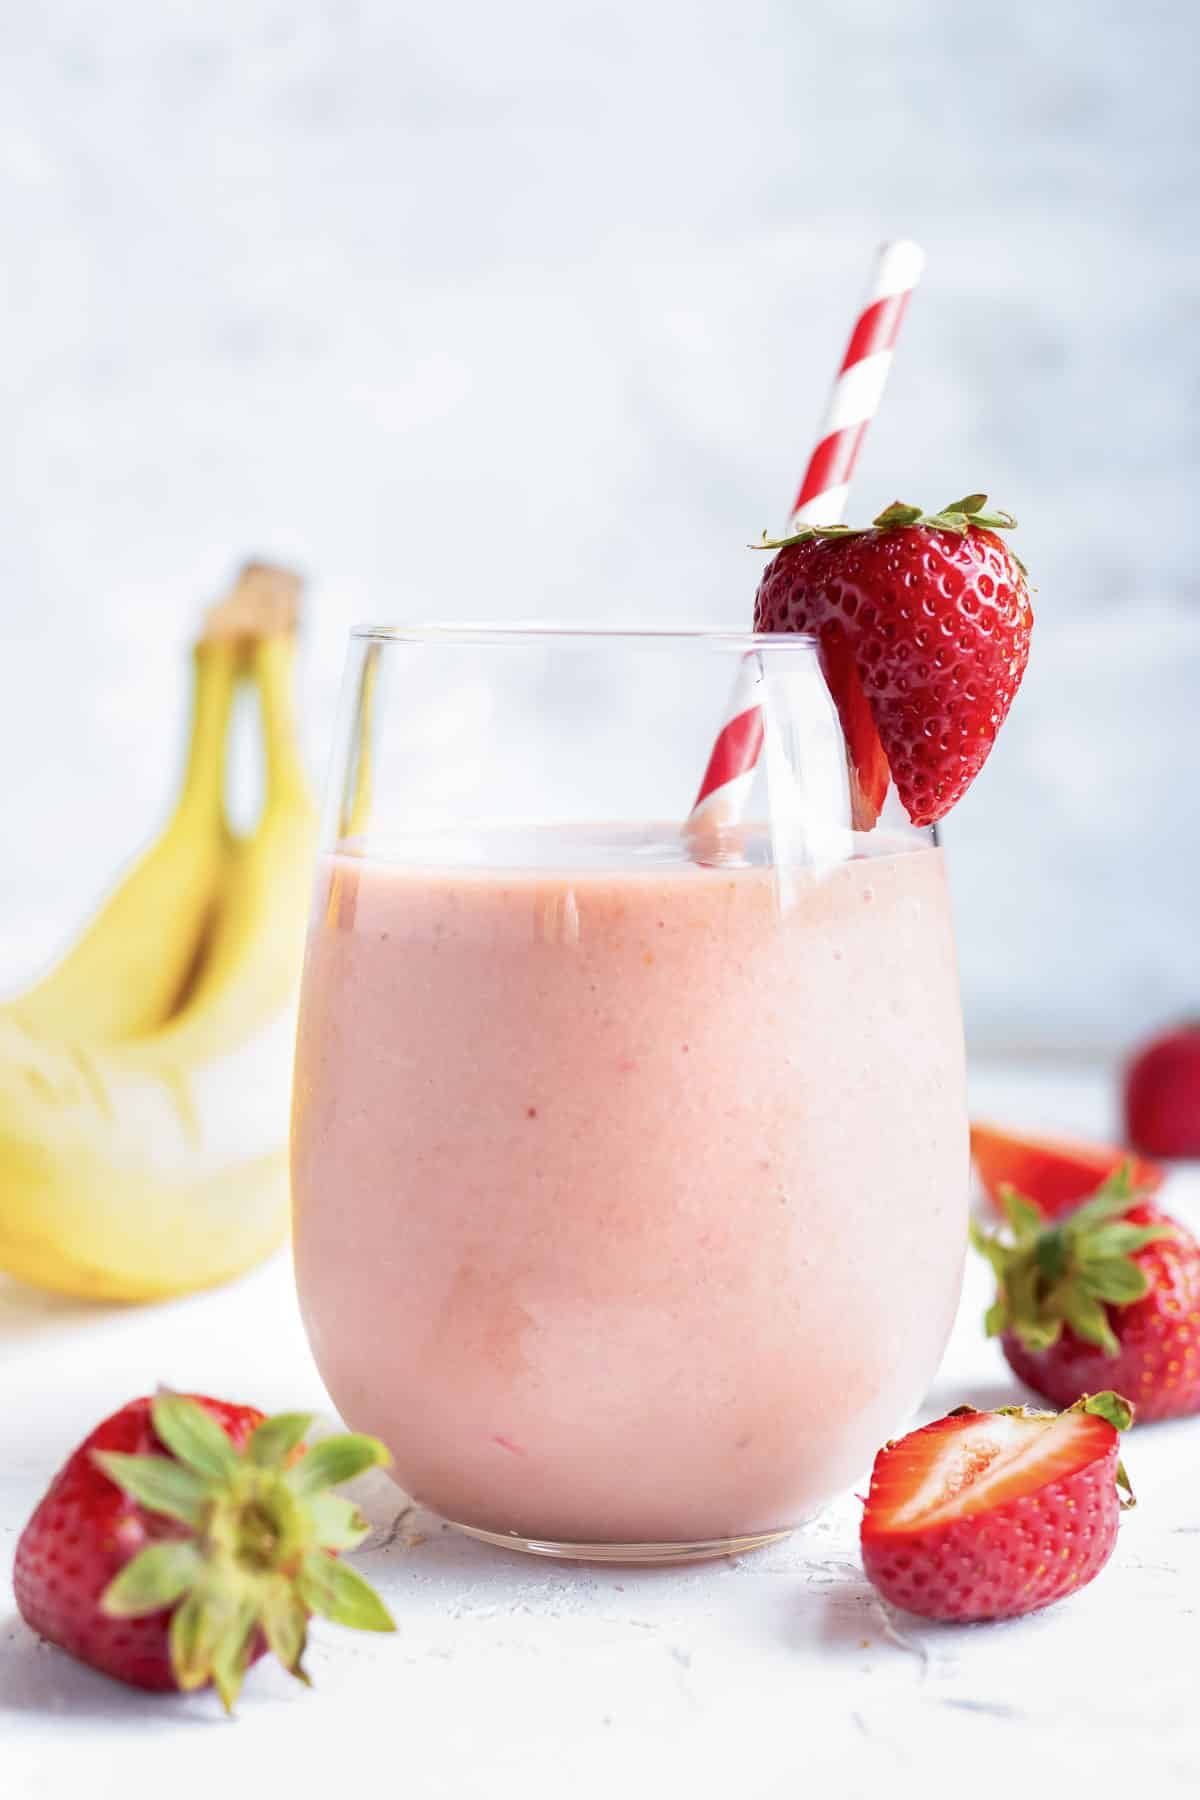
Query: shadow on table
[
  {"x": 35, "y": 1677},
  {"x": 25, "y": 1311},
  {"x": 854, "y": 1618}
]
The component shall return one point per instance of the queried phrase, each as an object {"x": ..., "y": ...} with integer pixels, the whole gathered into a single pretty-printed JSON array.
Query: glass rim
[{"x": 519, "y": 632}]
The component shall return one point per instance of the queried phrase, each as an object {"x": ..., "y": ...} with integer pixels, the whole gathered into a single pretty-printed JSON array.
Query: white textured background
[{"x": 483, "y": 310}]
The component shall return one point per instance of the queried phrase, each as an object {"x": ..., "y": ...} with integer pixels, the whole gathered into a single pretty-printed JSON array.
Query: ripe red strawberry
[
  {"x": 988, "y": 1515},
  {"x": 186, "y": 1536},
  {"x": 1162, "y": 1094},
  {"x": 1110, "y": 1293},
  {"x": 924, "y": 622},
  {"x": 1055, "y": 1173}
]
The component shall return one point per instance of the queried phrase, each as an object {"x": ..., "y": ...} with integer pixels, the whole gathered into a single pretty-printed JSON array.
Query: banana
[
  {"x": 137, "y": 1170},
  {"x": 126, "y": 972}
]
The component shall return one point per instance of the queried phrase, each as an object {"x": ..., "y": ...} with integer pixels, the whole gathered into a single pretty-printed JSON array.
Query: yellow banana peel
[
  {"x": 138, "y": 1165},
  {"x": 127, "y": 971}
]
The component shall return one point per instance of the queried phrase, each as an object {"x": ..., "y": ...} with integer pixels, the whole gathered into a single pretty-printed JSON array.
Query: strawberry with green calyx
[
  {"x": 1108, "y": 1292},
  {"x": 187, "y": 1536},
  {"x": 924, "y": 624},
  {"x": 988, "y": 1515}
]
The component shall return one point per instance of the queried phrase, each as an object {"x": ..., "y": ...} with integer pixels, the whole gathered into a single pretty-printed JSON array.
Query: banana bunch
[{"x": 144, "y": 1081}]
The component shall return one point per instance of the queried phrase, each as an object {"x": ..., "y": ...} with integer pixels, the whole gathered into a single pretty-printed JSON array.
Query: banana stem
[
  {"x": 271, "y": 662},
  {"x": 215, "y": 677}
]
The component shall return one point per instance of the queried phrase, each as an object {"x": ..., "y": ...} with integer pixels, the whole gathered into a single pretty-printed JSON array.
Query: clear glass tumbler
[{"x": 630, "y": 1159}]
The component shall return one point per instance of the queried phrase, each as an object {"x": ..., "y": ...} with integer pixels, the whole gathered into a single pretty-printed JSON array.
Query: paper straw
[{"x": 820, "y": 500}]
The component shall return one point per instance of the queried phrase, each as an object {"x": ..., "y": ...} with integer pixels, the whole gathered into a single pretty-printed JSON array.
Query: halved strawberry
[
  {"x": 986, "y": 1515},
  {"x": 1055, "y": 1173}
]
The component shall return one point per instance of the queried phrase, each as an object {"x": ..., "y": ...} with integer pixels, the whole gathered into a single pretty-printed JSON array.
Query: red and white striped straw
[{"x": 821, "y": 500}]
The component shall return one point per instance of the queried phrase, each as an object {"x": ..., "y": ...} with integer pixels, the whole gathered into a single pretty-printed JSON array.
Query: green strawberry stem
[
  {"x": 958, "y": 517},
  {"x": 264, "y": 1530},
  {"x": 1067, "y": 1274}
]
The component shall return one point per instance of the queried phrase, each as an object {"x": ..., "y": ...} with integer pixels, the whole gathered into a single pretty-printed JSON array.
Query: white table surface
[{"x": 774, "y": 1674}]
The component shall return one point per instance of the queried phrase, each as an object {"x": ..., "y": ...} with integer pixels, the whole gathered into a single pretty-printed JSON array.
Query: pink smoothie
[{"x": 630, "y": 1204}]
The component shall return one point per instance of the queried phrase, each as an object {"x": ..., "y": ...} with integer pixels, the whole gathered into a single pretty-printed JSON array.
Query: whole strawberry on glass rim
[
  {"x": 924, "y": 623},
  {"x": 186, "y": 1537},
  {"x": 1106, "y": 1294}
]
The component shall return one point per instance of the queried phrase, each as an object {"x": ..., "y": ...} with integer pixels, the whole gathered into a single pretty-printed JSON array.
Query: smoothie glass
[{"x": 630, "y": 1164}]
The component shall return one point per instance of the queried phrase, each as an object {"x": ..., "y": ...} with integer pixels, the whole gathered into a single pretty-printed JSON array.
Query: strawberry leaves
[
  {"x": 1113, "y": 1407},
  {"x": 265, "y": 1533},
  {"x": 284, "y": 1620},
  {"x": 154, "y": 1579},
  {"x": 333, "y": 1461},
  {"x": 958, "y": 517},
  {"x": 1067, "y": 1274},
  {"x": 338, "y": 1522},
  {"x": 157, "y": 1484},
  {"x": 193, "y": 1436},
  {"x": 272, "y": 1443},
  {"x": 338, "y": 1592}
]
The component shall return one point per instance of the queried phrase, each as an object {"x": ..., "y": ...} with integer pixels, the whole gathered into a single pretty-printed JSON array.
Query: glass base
[{"x": 647, "y": 1555}]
